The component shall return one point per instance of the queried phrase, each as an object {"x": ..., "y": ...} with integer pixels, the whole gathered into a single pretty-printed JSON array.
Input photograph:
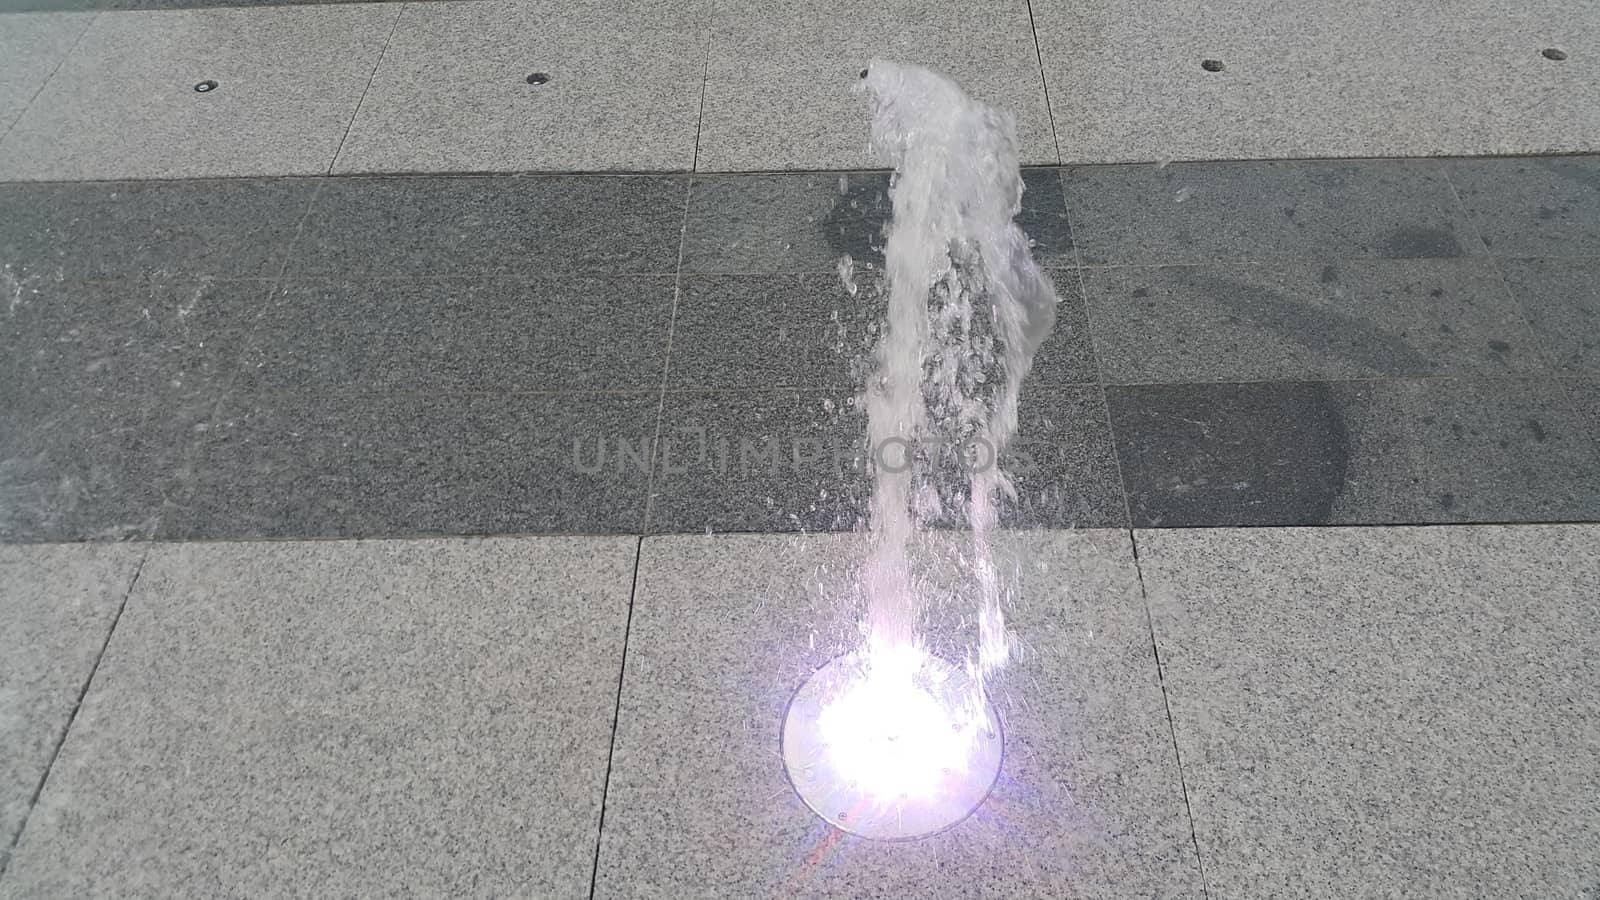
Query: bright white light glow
[{"x": 896, "y": 733}]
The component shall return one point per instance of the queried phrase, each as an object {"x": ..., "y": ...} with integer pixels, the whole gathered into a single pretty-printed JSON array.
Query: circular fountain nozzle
[{"x": 893, "y": 749}]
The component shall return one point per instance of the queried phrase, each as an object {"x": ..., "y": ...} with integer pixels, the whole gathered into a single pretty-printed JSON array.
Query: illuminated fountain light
[{"x": 891, "y": 745}]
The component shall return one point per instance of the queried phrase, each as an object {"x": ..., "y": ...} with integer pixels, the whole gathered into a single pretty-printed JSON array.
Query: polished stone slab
[
  {"x": 87, "y": 471},
  {"x": 1290, "y": 320},
  {"x": 1214, "y": 212},
  {"x": 1533, "y": 207},
  {"x": 343, "y": 718},
  {"x": 462, "y": 334},
  {"x": 736, "y": 332},
  {"x": 124, "y": 103},
  {"x": 292, "y": 465},
  {"x": 210, "y": 228},
  {"x": 31, "y": 47},
  {"x": 779, "y": 78},
  {"x": 1384, "y": 711},
  {"x": 726, "y": 627},
  {"x": 1585, "y": 396},
  {"x": 1357, "y": 452},
  {"x": 798, "y": 461},
  {"x": 1129, "y": 81},
  {"x": 58, "y": 603},
  {"x": 400, "y": 349},
  {"x": 806, "y": 222},
  {"x": 758, "y": 461},
  {"x": 170, "y": 345},
  {"x": 1561, "y": 298},
  {"x": 621, "y": 89},
  {"x": 7, "y": 6},
  {"x": 482, "y": 226}
]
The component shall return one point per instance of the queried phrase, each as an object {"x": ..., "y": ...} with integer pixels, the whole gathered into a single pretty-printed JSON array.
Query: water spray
[{"x": 889, "y": 741}]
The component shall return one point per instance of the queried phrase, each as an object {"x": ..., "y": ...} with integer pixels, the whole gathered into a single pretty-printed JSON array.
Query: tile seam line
[
  {"x": 371, "y": 77},
  {"x": 1094, "y": 353},
  {"x": 1495, "y": 265},
  {"x": 845, "y": 170},
  {"x": 1166, "y": 703},
  {"x": 644, "y": 528},
  {"x": 436, "y": 536},
  {"x": 72, "y": 718},
  {"x": 247, "y": 341},
  {"x": 548, "y": 277},
  {"x": 666, "y": 360},
  {"x": 1044, "y": 82},
  {"x": 1493, "y": 262},
  {"x": 370, "y": 176},
  {"x": 1228, "y": 262},
  {"x": 747, "y": 173},
  {"x": 377, "y": 537},
  {"x": 616, "y": 718},
  {"x": 1312, "y": 378},
  {"x": 11, "y": 125},
  {"x": 705, "y": 77},
  {"x": 836, "y": 389}
]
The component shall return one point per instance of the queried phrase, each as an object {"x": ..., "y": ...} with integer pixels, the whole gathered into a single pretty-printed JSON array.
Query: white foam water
[{"x": 967, "y": 309}]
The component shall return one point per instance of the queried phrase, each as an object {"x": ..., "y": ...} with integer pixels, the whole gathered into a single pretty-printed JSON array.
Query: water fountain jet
[{"x": 890, "y": 741}]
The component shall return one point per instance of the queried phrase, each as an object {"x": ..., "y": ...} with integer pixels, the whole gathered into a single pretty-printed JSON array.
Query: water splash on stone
[{"x": 967, "y": 309}]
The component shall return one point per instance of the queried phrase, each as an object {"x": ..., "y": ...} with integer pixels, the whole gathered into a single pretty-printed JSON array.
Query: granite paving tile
[
  {"x": 282, "y": 465},
  {"x": 1561, "y": 298},
  {"x": 1128, "y": 80},
  {"x": 1366, "y": 452},
  {"x": 779, "y": 78},
  {"x": 781, "y": 461},
  {"x": 171, "y": 344},
  {"x": 58, "y": 603},
  {"x": 340, "y": 718},
  {"x": 790, "y": 461},
  {"x": 1210, "y": 212},
  {"x": 463, "y": 335},
  {"x": 725, "y": 627},
  {"x": 31, "y": 47},
  {"x": 1533, "y": 207},
  {"x": 90, "y": 471},
  {"x": 805, "y": 222},
  {"x": 485, "y": 225},
  {"x": 218, "y": 228},
  {"x": 1296, "y": 320},
  {"x": 621, "y": 89},
  {"x": 775, "y": 332},
  {"x": 285, "y": 80},
  {"x": 1385, "y": 711}
]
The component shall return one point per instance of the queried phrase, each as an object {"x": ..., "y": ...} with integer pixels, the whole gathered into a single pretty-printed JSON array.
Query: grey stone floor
[
  {"x": 365, "y": 495},
  {"x": 755, "y": 85},
  {"x": 39, "y": 6},
  {"x": 1254, "y": 713},
  {"x": 1309, "y": 343}
]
